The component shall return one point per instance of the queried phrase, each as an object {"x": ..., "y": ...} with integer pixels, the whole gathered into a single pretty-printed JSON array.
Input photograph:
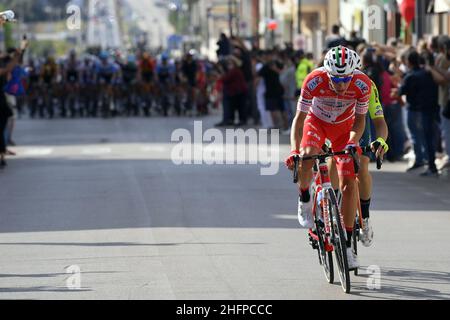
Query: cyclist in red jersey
[{"x": 333, "y": 105}]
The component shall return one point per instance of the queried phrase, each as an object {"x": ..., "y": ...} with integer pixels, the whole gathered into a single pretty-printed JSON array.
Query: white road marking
[
  {"x": 38, "y": 152},
  {"x": 154, "y": 149},
  {"x": 285, "y": 216},
  {"x": 96, "y": 151}
]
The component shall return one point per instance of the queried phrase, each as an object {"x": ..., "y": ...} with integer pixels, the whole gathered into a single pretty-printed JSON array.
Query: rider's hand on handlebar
[
  {"x": 379, "y": 147},
  {"x": 290, "y": 160},
  {"x": 351, "y": 145}
]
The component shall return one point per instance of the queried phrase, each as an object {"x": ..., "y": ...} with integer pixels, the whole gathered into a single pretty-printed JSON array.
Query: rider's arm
[
  {"x": 303, "y": 107},
  {"x": 377, "y": 114},
  {"x": 358, "y": 127},
  {"x": 297, "y": 130},
  {"x": 381, "y": 128},
  {"x": 361, "y": 109}
]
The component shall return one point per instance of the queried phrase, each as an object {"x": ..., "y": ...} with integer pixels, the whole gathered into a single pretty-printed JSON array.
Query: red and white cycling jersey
[{"x": 321, "y": 100}]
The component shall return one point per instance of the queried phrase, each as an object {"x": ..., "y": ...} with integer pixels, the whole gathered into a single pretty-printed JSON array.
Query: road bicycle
[{"x": 329, "y": 235}]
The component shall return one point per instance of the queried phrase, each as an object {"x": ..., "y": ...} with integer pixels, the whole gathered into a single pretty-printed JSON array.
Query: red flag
[
  {"x": 272, "y": 25},
  {"x": 407, "y": 10}
]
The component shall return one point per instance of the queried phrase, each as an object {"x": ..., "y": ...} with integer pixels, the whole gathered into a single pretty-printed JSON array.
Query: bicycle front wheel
[
  {"x": 339, "y": 242},
  {"x": 325, "y": 257},
  {"x": 355, "y": 238}
]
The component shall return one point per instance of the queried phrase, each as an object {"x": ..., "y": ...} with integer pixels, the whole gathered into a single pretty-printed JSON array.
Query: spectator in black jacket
[
  {"x": 274, "y": 94},
  {"x": 422, "y": 105},
  {"x": 224, "y": 47}
]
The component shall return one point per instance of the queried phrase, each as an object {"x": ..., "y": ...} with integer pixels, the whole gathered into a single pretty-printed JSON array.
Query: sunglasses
[{"x": 341, "y": 79}]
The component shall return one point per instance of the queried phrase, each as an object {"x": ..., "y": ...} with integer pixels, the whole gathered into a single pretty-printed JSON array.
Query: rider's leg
[
  {"x": 349, "y": 190},
  {"x": 305, "y": 169},
  {"x": 365, "y": 186},
  {"x": 305, "y": 203},
  {"x": 345, "y": 166},
  {"x": 365, "y": 191},
  {"x": 348, "y": 187},
  {"x": 334, "y": 176},
  {"x": 313, "y": 138},
  {"x": 349, "y": 204}
]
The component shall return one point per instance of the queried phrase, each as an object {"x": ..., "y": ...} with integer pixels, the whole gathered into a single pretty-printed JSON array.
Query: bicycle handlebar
[
  {"x": 352, "y": 152},
  {"x": 296, "y": 163}
]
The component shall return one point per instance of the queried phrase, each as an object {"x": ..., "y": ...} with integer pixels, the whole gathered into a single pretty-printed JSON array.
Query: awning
[
  {"x": 390, "y": 5},
  {"x": 441, "y": 6},
  {"x": 438, "y": 6}
]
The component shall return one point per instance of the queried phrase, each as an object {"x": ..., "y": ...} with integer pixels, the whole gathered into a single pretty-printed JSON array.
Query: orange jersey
[{"x": 319, "y": 98}]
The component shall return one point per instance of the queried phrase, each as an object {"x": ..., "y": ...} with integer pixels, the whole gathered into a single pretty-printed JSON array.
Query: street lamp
[
  {"x": 299, "y": 16},
  {"x": 230, "y": 16},
  {"x": 272, "y": 17},
  {"x": 208, "y": 31}
]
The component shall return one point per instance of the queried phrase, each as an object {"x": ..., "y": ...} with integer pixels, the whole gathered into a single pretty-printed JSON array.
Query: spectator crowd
[{"x": 251, "y": 87}]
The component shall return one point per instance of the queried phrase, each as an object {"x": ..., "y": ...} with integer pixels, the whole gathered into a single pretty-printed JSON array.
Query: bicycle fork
[{"x": 324, "y": 192}]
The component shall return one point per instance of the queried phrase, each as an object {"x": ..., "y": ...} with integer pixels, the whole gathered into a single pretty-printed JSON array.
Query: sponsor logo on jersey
[
  {"x": 344, "y": 160},
  {"x": 311, "y": 125},
  {"x": 314, "y": 83},
  {"x": 379, "y": 112},
  {"x": 350, "y": 94},
  {"x": 313, "y": 134},
  {"x": 362, "y": 86}
]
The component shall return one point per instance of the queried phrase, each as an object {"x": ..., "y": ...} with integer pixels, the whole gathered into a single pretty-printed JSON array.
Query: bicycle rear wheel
[{"x": 339, "y": 243}]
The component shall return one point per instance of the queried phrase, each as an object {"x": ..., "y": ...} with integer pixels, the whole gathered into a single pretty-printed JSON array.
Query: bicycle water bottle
[{"x": 8, "y": 15}]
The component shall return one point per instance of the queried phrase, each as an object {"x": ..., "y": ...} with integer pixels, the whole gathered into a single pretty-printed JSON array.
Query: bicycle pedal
[{"x": 313, "y": 243}]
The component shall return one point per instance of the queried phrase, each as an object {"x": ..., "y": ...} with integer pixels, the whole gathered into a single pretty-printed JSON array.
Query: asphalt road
[{"x": 104, "y": 198}]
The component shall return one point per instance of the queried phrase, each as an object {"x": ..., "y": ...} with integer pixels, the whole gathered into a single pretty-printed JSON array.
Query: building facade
[{"x": 306, "y": 23}]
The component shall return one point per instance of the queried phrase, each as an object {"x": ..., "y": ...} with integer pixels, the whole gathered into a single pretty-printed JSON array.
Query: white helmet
[
  {"x": 359, "y": 64},
  {"x": 341, "y": 61}
]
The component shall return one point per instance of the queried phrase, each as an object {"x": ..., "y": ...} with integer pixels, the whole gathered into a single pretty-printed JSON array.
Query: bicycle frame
[{"x": 323, "y": 185}]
